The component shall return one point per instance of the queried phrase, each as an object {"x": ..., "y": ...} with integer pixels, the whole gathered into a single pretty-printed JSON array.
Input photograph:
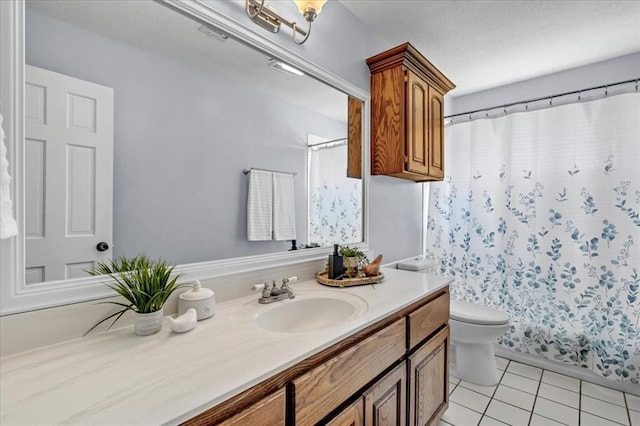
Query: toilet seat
[{"x": 476, "y": 314}]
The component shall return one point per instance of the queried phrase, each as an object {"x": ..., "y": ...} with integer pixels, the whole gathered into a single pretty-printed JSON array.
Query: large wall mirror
[{"x": 141, "y": 121}]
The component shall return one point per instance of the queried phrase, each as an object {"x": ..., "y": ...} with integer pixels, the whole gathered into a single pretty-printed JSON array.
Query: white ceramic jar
[{"x": 203, "y": 300}]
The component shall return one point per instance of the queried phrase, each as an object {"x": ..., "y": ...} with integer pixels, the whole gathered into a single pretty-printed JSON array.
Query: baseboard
[{"x": 567, "y": 369}]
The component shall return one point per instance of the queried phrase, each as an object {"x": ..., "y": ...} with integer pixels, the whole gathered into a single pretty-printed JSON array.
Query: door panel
[
  {"x": 69, "y": 174},
  {"x": 417, "y": 124},
  {"x": 436, "y": 134}
]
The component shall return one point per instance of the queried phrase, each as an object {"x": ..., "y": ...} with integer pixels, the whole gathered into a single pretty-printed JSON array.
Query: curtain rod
[
  {"x": 247, "y": 171},
  {"x": 604, "y": 86},
  {"x": 326, "y": 142}
]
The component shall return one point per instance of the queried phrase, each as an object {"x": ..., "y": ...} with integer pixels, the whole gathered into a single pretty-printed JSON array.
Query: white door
[{"x": 68, "y": 175}]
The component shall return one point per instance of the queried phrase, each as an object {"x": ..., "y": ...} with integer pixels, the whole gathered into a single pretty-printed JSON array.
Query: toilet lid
[{"x": 477, "y": 314}]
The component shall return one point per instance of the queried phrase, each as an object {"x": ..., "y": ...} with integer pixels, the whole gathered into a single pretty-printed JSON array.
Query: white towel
[
  {"x": 284, "y": 215},
  {"x": 8, "y": 225},
  {"x": 260, "y": 206}
]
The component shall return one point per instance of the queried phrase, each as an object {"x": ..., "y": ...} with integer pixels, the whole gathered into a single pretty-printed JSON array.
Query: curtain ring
[
  {"x": 504, "y": 108},
  {"x": 526, "y": 106},
  {"x": 636, "y": 84},
  {"x": 580, "y": 95},
  {"x": 551, "y": 101},
  {"x": 606, "y": 90},
  {"x": 470, "y": 117},
  {"x": 486, "y": 113}
]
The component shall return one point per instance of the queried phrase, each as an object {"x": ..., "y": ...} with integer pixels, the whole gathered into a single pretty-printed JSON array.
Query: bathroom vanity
[{"x": 383, "y": 362}]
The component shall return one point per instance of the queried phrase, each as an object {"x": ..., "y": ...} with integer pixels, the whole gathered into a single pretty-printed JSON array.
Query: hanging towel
[
  {"x": 284, "y": 215},
  {"x": 260, "y": 206},
  {"x": 8, "y": 226}
]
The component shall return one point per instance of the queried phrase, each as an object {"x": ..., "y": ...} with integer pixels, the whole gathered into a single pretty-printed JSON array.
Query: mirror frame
[{"x": 17, "y": 297}]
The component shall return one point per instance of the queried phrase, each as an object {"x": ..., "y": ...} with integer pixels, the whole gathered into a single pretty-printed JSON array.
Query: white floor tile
[
  {"x": 453, "y": 380},
  {"x": 488, "y": 421},
  {"x": 485, "y": 390},
  {"x": 554, "y": 410},
  {"x": 600, "y": 392},
  {"x": 520, "y": 382},
  {"x": 441, "y": 423},
  {"x": 470, "y": 399},
  {"x": 635, "y": 418},
  {"x": 524, "y": 370},
  {"x": 502, "y": 363},
  {"x": 458, "y": 415},
  {"x": 587, "y": 419},
  {"x": 560, "y": 395},
  {"x": 561, "y": 381},
  {"x": 633, "y": 402},
  {"x": 507, "y": 413},
  {"x": 515, "y": 397},
  {"x": 537, "y": 420},
  {"x": 598, "y": 407}
]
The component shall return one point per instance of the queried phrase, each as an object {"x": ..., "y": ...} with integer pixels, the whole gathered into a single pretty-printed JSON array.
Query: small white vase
[{"x": 148, "y": 324}]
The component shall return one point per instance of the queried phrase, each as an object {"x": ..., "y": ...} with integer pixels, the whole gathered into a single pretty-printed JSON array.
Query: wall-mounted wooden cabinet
[{"x": 407, "y": 115}]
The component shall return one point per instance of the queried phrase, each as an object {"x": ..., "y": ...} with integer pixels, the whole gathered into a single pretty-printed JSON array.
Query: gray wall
[
  {"x": 617, "y": 69},
  {"x": 341, "y": 43},
  {"x": 182, "y": 138}
]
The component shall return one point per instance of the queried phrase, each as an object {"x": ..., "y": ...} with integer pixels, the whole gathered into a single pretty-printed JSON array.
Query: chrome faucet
[{"x": 274, "y": 294}]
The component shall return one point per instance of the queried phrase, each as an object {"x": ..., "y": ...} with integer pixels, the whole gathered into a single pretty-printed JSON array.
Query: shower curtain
[
  {"x": 335, "y": 200},
  {"x": 539, "y": 216}
]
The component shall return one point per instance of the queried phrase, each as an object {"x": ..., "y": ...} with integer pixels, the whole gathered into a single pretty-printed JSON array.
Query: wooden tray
[{"x": 322, "y": 278}]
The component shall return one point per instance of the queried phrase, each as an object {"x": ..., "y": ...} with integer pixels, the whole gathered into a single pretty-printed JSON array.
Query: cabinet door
[
  {"x": 385, "y": 401},
  {"x": 270, "y": 411},
  {"x": 436, "y": 134},
  {"x": 429, "y": 380},
  {"x": 353, "y": 415},
  {"x": 417, "y": 125}
]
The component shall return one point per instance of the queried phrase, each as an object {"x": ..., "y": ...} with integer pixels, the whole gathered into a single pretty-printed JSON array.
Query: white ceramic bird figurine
[{"x": 184, "y": 322}]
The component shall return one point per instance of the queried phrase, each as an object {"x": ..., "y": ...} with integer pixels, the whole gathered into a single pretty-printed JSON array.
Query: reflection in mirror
[{"x": 139, "y": 122}]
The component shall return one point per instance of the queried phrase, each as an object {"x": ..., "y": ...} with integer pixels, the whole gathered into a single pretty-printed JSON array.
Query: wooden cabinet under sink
[
  {"x": 394, "y": 372},
  {"x": 407, "y": 115}
]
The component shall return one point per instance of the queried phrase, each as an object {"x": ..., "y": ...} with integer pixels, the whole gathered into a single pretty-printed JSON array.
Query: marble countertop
[{"x": 120, "y": 378}]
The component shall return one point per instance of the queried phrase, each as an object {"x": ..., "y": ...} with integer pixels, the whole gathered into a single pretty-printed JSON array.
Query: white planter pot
[{"x": 148, "y": 324}]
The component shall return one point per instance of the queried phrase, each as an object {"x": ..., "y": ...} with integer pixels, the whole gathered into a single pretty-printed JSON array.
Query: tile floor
[{"x": 530, "y": 396}]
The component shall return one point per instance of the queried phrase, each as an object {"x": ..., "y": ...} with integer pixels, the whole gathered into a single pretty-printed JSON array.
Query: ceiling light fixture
[
  {"x": 285, "y": 68},
  {"x": 269, "y": 18},
  {"x": 213, "y": 33}
]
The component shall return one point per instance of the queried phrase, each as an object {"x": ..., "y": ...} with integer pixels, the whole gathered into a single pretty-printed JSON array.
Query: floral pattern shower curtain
[
  {"x": 335, "y": 200},
  {"x": 539, "y": 216}
]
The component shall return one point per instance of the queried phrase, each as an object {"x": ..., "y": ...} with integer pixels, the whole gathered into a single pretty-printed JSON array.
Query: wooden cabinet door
[
  {"x": 429, "y": 380},
  {"x": 270, "y": 411},
  {"x": 417, "y": 125},
  {"x": 353, "y": 415},
  {"x": 436, "y": 134},
  {"x": 385, "y": 401}
]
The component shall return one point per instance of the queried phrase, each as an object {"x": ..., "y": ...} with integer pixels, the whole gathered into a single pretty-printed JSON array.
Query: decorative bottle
[{"x": 336, "y": 267}]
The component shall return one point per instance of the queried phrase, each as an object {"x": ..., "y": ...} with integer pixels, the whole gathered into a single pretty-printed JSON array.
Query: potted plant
[
  {"x": 353, "y": 257},
  {"x": 144, "y": 284}
]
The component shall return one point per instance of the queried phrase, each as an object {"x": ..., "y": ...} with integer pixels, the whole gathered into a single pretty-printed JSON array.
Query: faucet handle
[
  {"x": 260, "y": 286},
  {"x": 286, "y": 281}
]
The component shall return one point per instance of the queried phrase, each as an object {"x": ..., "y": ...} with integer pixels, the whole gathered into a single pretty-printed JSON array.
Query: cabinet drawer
[
  {"x": 268, "y": 412},
  {"x": 324, "y": 388},
  {"x": 427, "y": 319}
]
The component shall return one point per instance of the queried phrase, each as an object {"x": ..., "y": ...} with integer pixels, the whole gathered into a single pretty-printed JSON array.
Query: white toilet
[{"x": 474, "y": 330}]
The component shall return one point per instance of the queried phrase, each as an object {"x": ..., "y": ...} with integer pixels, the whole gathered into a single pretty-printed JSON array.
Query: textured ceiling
[{"x": 482, "y": 44}]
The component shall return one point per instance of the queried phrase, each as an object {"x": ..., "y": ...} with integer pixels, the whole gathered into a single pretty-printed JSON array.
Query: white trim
[
  {"x": 11, "y": 95},
  {"x": 16, "y": 296}
]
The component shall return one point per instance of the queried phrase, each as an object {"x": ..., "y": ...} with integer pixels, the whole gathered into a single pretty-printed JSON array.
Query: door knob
[{"x": 102, "y": 246}]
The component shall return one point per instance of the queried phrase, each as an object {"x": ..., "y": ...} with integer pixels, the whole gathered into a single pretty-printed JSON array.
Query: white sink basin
[{"x": 311, "y": 310}]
